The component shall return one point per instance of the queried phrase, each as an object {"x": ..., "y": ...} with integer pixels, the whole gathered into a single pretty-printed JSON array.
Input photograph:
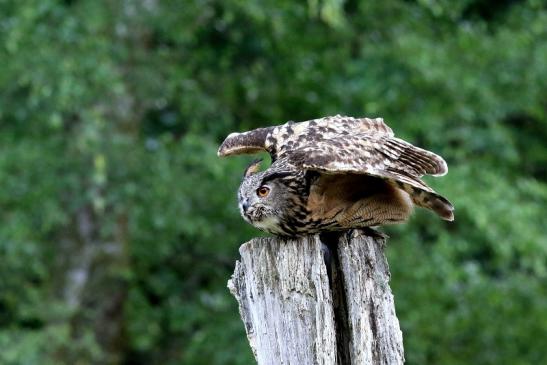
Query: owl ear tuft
[{"x": 253, "y": 168}]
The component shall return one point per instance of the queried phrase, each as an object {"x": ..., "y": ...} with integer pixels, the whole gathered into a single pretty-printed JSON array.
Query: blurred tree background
[{"x": 119, "y": 224}]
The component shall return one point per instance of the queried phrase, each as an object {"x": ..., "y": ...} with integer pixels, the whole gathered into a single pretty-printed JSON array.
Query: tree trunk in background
[
  {"x": 303, "y": 302},
  {"x": 95, "y": 288}
]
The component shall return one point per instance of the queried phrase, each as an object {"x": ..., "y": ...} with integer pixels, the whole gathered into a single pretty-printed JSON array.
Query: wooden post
[{"x": 302, "y": 305}]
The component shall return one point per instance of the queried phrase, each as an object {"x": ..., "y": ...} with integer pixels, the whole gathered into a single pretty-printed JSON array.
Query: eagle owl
[{"x": 333, "y": 174}]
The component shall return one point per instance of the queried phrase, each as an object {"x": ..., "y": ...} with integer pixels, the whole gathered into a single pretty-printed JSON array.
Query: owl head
[{"x": 262, "y": 197}]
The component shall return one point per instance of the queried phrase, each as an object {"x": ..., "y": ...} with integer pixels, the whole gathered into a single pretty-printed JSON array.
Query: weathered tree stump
[{"x": 304, "y": 304}]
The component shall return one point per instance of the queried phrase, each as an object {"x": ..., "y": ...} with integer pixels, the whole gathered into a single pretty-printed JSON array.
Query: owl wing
[
  {"x": 380, "y": 155},
  {"x": 366, "y": 153},
  {"x": 284, "y": 138},
  {"x": 245, "y": 142}
]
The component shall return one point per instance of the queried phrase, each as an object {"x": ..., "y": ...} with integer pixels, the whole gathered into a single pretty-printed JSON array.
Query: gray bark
[{"x": 302, "y": 303}]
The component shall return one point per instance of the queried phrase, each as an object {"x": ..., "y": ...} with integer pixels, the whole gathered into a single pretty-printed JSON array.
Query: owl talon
[{"x": 369, "y": 231}]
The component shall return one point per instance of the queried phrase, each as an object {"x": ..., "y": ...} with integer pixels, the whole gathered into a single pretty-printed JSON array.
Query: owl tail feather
[
  {"x": 428, "y": 199},
  {"x": 434, "y": 202}
]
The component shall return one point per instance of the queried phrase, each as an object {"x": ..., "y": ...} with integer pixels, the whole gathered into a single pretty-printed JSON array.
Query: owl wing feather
[
  {"x": 283, "y": 138},
  {"x": 245, "y": 142},
  {"x": 382, "y": 156},
  {"x": 366, "y": 152}
]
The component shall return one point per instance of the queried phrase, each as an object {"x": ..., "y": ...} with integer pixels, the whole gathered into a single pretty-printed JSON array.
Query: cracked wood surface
[{"x": 299, "y": 310}]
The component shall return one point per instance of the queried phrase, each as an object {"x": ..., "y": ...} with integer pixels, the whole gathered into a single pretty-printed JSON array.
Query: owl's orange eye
[{"x": 263, "y": 191}]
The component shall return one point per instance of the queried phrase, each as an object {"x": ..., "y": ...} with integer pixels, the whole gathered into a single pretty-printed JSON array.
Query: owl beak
[{"x": 245, "y": 206}]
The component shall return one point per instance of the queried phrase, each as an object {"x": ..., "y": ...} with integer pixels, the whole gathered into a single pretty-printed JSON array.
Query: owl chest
[
  {"x": 335, "y": 200},
  {"x": 305, "y": 208}
]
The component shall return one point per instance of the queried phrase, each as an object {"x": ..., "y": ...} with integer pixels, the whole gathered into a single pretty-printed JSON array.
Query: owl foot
[{"x": 369, "y": 231}]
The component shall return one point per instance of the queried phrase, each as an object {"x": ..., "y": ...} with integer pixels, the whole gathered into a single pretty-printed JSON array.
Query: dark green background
[{"x": 119, "y": 225}]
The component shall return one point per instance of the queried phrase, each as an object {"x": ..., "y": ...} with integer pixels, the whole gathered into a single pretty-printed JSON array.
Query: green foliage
[{"x": 120, "y": 227}]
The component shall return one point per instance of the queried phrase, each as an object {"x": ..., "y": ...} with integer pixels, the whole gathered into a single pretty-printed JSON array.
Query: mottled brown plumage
[{"x": 334, "y": 173}]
